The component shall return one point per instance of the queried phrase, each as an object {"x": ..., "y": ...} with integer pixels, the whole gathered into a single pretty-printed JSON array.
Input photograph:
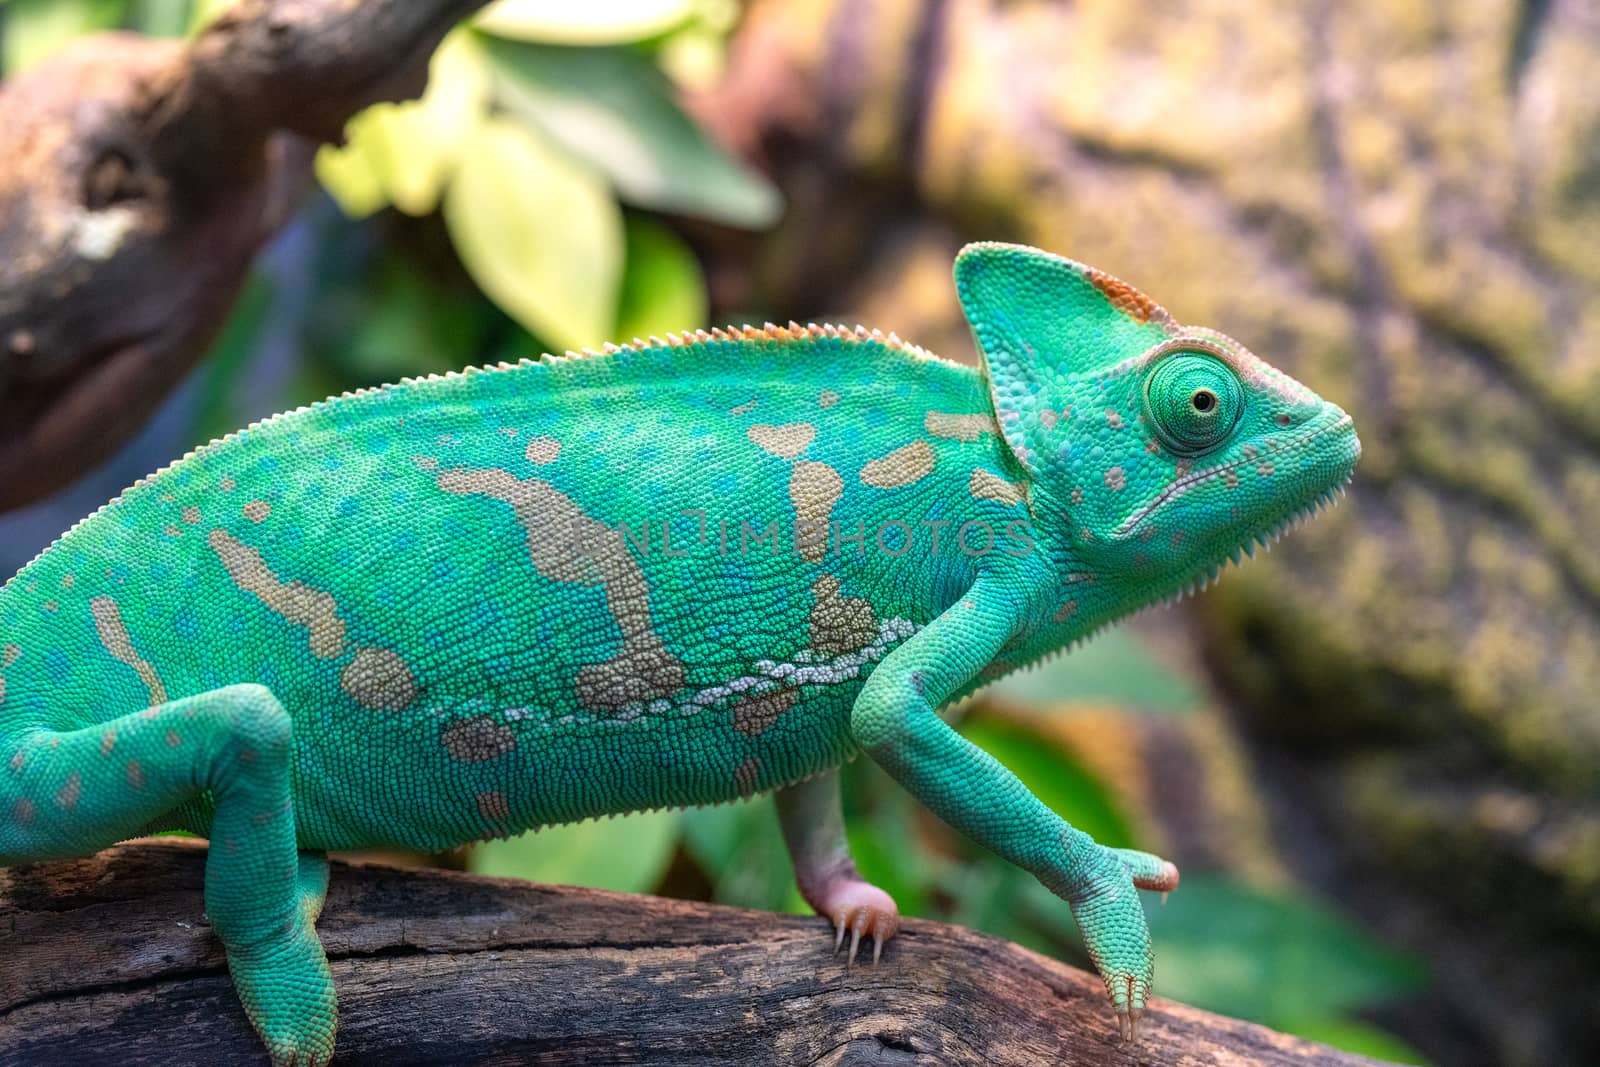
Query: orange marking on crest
[{"x": 1124, "y": 297}]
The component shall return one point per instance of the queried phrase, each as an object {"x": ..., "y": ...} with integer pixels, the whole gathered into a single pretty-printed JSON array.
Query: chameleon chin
[{"x": 677, "y": 572}]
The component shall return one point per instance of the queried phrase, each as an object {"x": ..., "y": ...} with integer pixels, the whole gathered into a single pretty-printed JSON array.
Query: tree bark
[
  {"x": 109, "y": 958},
  {"x": 138, "y": 178}
]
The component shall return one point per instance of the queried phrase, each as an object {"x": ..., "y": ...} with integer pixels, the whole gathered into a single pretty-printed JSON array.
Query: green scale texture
[{"x": 675, "y": 573}]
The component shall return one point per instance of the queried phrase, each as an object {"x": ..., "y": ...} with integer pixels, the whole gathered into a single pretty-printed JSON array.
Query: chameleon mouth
[
  {"x": 1341, "y": 422},
  {"x": 1329, "y": 494}
]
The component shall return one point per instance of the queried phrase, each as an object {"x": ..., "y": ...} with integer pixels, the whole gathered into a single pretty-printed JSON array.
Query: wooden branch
[
  {"x": 138, "y": 177},
  {"x": 109, "y": 957}
]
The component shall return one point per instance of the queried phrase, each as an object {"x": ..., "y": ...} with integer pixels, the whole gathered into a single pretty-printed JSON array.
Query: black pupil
[{"x": 1204, "y": 400}]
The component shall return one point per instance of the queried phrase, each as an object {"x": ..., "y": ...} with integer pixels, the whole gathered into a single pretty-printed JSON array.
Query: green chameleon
[{"x": 678, "y": 572}]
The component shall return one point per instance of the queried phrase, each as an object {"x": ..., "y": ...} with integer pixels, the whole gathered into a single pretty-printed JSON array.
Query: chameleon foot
[
  {"x": 864, "y": 910},
  {"x": 288, "y": 995},
  {"x": 1111, "y": 918}
]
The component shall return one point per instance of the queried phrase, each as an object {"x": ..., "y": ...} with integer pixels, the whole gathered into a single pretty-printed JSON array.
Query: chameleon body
[{"x": 679, "y": 572}]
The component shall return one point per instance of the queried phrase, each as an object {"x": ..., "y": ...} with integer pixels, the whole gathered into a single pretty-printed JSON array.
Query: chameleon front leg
[
  {"x": 894, "y": 721},
  {"x": 813, "y": 828},
  {"x": 69, "y": 793}
]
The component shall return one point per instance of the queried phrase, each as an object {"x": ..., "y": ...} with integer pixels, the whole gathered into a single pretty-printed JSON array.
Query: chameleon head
[{"x": 1164, "y": 450}]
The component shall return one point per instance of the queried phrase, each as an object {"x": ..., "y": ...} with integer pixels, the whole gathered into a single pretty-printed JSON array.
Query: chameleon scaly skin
[{"x": 463, "y": 606}]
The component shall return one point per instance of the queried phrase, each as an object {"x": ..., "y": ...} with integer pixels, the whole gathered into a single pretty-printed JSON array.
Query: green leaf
[
  {"x": 539, "y": 232},
  {"x": 564, "y": 22},
  {"x": 1117, "y": 667},
  {"x": 351, "y": 174},
  {"x": 1054, "y": 776},
  {"x": 663, "y": 290},
  {"x": 35, "y": 30},
  {"x": 404, "y": 154},
  {"x": 628, "y": 853},
  {"x": 615, "y": 109},
  {"x": 1267, "y": 957}
]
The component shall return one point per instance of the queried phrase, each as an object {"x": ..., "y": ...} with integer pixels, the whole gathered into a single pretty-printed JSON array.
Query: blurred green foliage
[{"x": 548, "y": 137}]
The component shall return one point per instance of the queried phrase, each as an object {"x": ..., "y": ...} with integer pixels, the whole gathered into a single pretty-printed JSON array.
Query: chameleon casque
[{"x": 679, "y": 572}]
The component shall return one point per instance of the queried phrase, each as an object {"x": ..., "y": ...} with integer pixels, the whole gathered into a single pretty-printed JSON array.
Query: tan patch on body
[
  {"x": 191, "y": 515},
  {"x": 839, "y": 624},
  {"x": 827, "y": 398},
  {"x": 478, "y": 739},
  {"x": 380, "y": 679},
  {"x": 114, "y": 636},
  {"x": 1113, "y": 419},
  {"x": 905, "y": 465},
  {"x": 1115, "y": 479},
  {"x": 814, "y": 488},
  {"x": 1230, "y": 478},
  {"x": 987, "y": 485},
  {"x": 108, "y": 741},
  {"x": 135, "y": 774},
  {"x": 7, "y": 658},
  {"x": 743, "y": 409},
  {"x": 958, "y": 427},
  {"x": 1265, "y": 468},
  {"x": 568, "y": 546},
  {"x": 747, "y": 775},
  {"x": 786, "y": 441},
  {"x": 295, "y": 601},
  {"x": 542, "y": 450},
  {"x": 257, "y": 510},
  {"x": 68, "y": 581},
  {"x": 23, "y": 812},
  {"x": 71, "y": 790},
  {"x": 494, "y": 806},
  {"x": 1047, "y": 419},
  {"x": 755, "y": 715},
  {"x": 425, "y": 463},
  {"x": 376, "y": 678},
  {"x": 227, "y": 485},
  {"x": 1124, "y": 297}
]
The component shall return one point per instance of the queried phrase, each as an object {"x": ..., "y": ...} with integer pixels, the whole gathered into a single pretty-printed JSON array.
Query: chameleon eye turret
[{"x": 1192, "y": 401}]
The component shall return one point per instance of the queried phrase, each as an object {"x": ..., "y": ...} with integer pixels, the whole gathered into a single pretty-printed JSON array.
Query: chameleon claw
[
  {"x": 856, "y": 930},
  {"x": 877, "y": 949},
  {"x": 838, "y": 935}
]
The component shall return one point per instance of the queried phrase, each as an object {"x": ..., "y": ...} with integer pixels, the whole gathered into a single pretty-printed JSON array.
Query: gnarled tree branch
[
  {"x": 138, "y": 178},
  {"x": 110, "y": 953}
]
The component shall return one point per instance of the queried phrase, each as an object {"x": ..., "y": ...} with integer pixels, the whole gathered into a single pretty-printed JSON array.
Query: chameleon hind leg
[
  {"x": 69, "y": 793},
  {"x": 813, "y": 828},
  {"x": 895, "y": 721}
]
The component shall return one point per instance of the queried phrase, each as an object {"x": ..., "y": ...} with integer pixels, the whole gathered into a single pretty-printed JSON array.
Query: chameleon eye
[{"x": 1193, "y": 401}]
